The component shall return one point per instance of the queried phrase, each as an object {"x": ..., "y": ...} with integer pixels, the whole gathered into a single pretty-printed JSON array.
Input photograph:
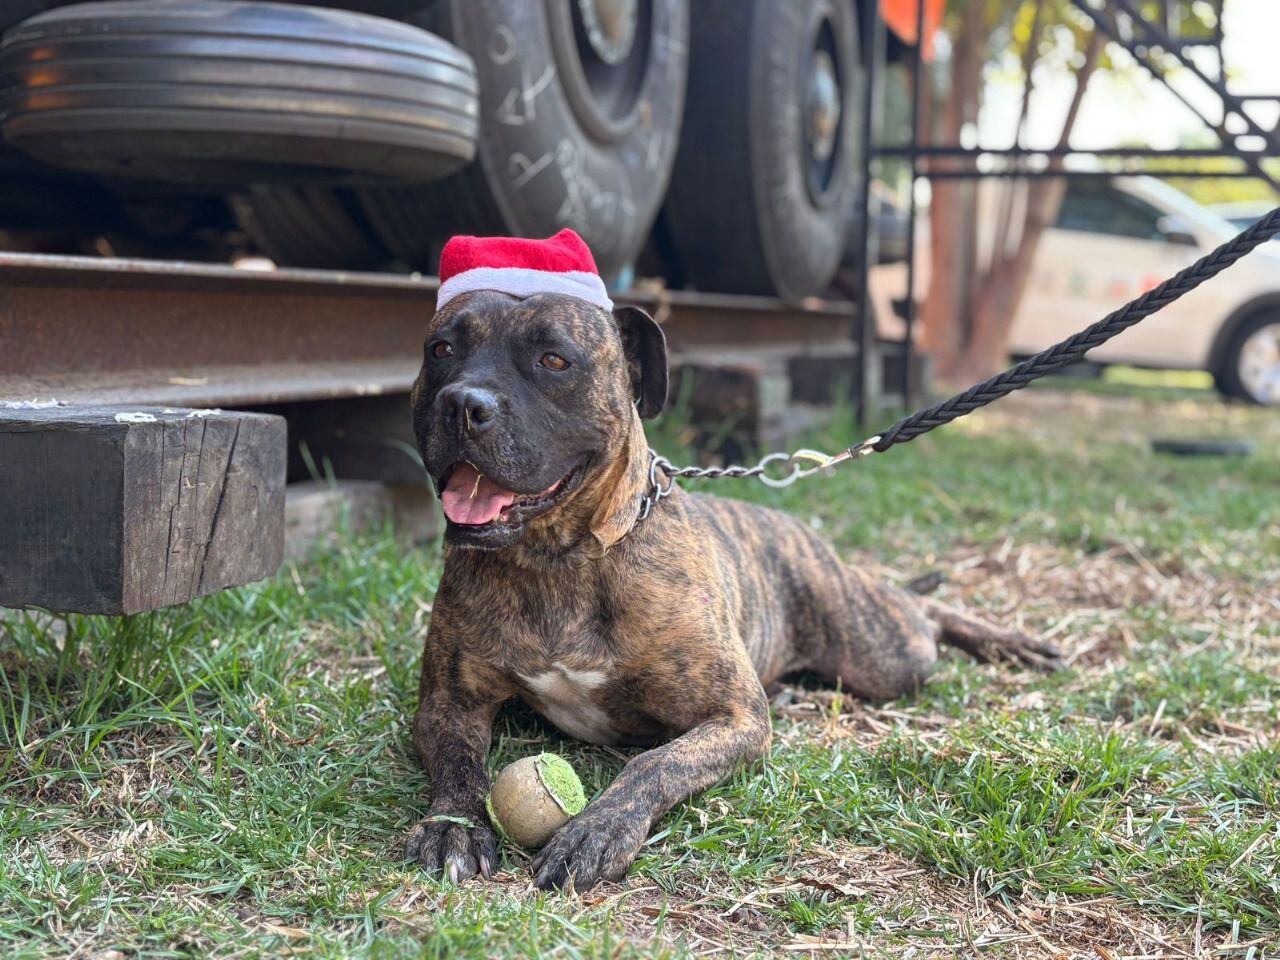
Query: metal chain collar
[{"x": 803, "y": 463}]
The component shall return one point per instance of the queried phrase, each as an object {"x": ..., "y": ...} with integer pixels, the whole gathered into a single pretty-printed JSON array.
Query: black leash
[
  {"x": 805, "y": 463},
  {"x": 1077, "y": 345}
]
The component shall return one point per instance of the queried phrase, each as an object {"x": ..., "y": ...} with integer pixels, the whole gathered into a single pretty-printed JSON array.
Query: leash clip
[
  {"x": 803, "y": 463},
  {"x": 818, "y": 461},
  {"x": 797, "y": 460}
]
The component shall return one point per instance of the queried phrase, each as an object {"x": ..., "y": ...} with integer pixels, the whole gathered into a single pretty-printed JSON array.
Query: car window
[{"x": 1100, "y": 208}]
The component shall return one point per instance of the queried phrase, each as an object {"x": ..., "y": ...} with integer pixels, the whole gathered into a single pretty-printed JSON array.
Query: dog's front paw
[
  {"x": 593, "y": 846},
  {"x": 458, "y": 847}
]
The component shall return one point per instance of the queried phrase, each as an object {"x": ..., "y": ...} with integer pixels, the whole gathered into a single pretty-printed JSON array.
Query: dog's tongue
[{"x": 471, "y": 498}]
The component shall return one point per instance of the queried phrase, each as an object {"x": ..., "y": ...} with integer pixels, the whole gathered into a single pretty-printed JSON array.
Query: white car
[
  {"x": 1115, "y": 239},
  {"x": 1242, "y": 213}
]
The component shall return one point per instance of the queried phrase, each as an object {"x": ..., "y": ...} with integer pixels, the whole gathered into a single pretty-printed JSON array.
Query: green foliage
[{"x": 1063, "y": 29}]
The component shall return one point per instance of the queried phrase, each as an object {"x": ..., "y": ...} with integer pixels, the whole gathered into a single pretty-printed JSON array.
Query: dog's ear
[{"x": 645, "y": 346}]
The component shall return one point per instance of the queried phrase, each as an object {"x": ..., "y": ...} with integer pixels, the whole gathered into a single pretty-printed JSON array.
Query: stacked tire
[
  {"x": 210, "y": 95},
  {"x": 345, "y": 138},
  {"x": 765, "y": 181},
  {"x": 309, "y": 226},
  {"x": 202, "y": 91},
  {"x": 582, "y": 102},
  {"x": 15, "y": 11}
]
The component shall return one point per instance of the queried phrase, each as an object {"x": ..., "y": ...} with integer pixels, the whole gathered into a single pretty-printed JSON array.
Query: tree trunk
[
  {"x": 951, "y": 226},
  {"x": 1010, "y": 188},
  {"x": 995, "y": 301}
]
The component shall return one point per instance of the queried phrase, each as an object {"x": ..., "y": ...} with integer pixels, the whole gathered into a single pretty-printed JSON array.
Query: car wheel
[
  {"x": 581, "y": 102},
  {"x": 232, "y": 92},
  {"x": 765, "y": 179},
  {"x": 1250, "y": 365},
  {"x": 308, "y": 226}
]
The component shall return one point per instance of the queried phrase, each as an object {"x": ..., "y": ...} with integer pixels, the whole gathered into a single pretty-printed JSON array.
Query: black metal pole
[
  {"x": 1144, "y": 60},
  {"x": 865, "y": 328},
  {"x": 1219, "y": 34},
  {"x": 1121, "y": 153},
  {"x": 1156, "y": 36},
  {"x": 917, "y": 73},
  {"x": 1085, "y": 174}
]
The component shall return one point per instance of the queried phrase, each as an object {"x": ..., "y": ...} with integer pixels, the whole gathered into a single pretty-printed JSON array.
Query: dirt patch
[{"x": 891, "y": 906}]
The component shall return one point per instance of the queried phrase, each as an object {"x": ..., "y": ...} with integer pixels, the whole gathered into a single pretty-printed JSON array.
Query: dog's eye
[
  {"x": 553, "y": 361},
  {"x": 441, "y": 349}
]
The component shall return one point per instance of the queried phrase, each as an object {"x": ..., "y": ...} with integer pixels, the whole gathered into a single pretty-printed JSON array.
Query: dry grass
[{"x": 232, "y": 779}]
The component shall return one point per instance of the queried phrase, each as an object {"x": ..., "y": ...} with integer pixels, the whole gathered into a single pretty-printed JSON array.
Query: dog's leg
[
  {"x": 988, "y": 642},
  {"x": 452, "y": 731},
  {"x": 869, "y": 636},
  {"x": 880, "y": 641},
  {"x": 601, "y": 842}
]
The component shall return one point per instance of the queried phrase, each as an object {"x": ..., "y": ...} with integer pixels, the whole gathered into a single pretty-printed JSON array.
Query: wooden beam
[{"x": 120, "y": 510}]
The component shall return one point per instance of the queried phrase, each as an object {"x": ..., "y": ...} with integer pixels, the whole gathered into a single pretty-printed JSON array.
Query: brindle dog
[{"x": 660, "y": 633}]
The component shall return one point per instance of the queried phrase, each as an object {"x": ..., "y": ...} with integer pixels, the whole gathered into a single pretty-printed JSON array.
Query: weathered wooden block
[{"x": 121, "y": 510}]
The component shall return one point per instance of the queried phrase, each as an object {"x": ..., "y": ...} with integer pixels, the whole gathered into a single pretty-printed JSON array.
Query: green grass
[{"x": 233, "y": 778}]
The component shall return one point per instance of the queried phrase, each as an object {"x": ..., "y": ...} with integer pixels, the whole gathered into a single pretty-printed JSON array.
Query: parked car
[
  {"x": 1115, "y": 239},
  {"x": 1242, "y": 213}
]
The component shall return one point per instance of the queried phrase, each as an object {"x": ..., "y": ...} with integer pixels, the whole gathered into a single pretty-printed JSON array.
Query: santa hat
[{"x": 561, "y": 264}]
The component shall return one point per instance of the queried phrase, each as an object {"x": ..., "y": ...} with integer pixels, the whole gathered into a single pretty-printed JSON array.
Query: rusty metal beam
[{"x": 114, "y": 331}]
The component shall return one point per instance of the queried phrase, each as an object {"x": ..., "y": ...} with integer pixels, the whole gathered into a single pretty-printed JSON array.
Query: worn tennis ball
[{"x": 534, "y": 797}]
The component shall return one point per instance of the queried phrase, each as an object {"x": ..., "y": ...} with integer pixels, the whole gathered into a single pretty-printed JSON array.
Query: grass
[{"x": 233, "y": 778}]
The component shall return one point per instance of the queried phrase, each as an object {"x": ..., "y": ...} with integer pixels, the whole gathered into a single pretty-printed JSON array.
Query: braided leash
[
  {"x": 1074, "y": 347},
  {"x": 805, "y": 463}
]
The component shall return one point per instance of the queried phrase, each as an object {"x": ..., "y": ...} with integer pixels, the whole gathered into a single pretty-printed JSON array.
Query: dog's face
[{"x": 521, "y": 401}]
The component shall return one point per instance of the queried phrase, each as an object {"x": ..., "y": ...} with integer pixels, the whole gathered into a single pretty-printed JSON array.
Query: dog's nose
[{"x": 473, "y": 407}]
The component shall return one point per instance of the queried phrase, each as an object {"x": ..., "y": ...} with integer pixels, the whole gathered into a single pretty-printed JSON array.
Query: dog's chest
[{"x": 569, "y": 698}]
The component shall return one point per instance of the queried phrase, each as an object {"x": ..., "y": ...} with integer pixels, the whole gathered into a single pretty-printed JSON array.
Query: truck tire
[
  {"x": 308, "y": 226},
  {"x": 15, "y": 11},
  {"x": 221, "y": 91},
  {"x": 766, "y": 177},
  {"x": 392, "y": 9},
  {"x": 1249, "y": 368},
  {"x": 581, "y": 101}
]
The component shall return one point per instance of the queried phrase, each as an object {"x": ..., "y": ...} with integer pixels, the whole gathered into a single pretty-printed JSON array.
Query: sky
[{"x": 1131, "y": 108}]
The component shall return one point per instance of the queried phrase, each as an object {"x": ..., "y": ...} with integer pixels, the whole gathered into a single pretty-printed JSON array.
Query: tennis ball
[{"x": 533, "y": 798}]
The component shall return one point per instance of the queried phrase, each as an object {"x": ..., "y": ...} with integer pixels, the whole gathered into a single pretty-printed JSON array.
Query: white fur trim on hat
[{"x": 523, "y": 282}]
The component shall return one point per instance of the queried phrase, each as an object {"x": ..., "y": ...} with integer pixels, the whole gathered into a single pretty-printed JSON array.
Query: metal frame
[
  {"x": 81, "y": 329},
  {"x": 864, "y": 333},
  {"x": 1122, "y": 23}
]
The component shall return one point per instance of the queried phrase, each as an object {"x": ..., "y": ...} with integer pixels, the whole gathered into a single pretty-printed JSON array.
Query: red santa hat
[{"x": 560, "y": 264}]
